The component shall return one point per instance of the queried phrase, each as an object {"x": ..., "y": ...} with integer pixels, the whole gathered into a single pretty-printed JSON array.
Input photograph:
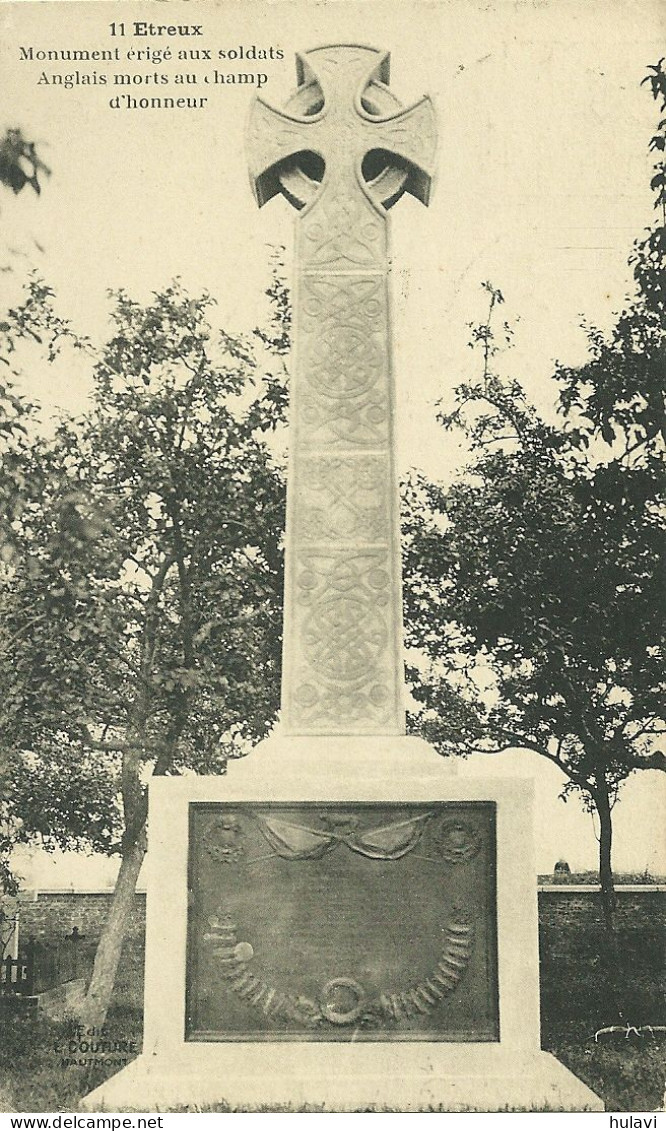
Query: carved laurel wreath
[{"x": 342, "y": 1001}]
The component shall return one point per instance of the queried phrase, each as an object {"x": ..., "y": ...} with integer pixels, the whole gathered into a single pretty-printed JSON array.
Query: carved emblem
[
  {"x": 338, "y": 822},
  {"x": 341, "y": 1001},
  {"x": 456, "y": 841},
  {"x": 224, "y": 839}
]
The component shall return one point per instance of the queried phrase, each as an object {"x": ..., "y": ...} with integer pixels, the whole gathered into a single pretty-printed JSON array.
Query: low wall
[
  {"x": 583, "y": 976},
  {"x": 567, "y": 906},
  {"x": 54, "y": 914},
  {"x": 574, "y": 958},
  {"x": 563, "y": 912}
]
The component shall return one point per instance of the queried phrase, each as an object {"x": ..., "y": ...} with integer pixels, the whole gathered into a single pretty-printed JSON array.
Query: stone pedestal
[{"x": 461, "y": 1034}]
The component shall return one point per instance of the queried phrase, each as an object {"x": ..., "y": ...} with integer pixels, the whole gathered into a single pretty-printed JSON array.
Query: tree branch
[
  {"x": 24, "y": 628},
  {"x": 654, "y": 761},
  {"x": 120, "y": 747}
]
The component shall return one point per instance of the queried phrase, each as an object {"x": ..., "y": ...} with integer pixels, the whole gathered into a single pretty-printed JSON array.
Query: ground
[{"x": 584, "y": 988}]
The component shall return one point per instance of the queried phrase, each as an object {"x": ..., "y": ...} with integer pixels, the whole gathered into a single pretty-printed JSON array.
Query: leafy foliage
[
  {"x": 534, "y": 583},
  {"x": 537, "y": 580},
  {"x": 139, "y": 619},
  {"x": 19, "y": 163},
  {"x": 31, "y": 323},
  {"x": 657, "y": 83}
]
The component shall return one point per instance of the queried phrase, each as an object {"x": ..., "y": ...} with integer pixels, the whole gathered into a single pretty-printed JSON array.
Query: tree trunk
[
  {"x": 96, "y": 1002},
  {"x": 608, "y": 898}
]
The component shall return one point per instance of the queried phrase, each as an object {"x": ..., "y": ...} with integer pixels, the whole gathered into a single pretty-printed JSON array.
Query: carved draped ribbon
[{"x": 299, "y": 842}]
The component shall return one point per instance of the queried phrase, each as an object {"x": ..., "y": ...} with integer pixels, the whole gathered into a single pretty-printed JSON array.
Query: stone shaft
[
  {"x": 337, "y": 156},
  {"x": 343, "y": 633}
]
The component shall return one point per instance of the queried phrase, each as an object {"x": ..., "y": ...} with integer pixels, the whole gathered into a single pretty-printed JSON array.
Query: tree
[
  {"x": 34, "y": 319},
  {"x": 534, "y": 584},
  {"x": 19, "y": 163},
  {"x": 20, "y": 167},
  {"x": 31, "y": 325},
  {"x": 139, "y": 621}
]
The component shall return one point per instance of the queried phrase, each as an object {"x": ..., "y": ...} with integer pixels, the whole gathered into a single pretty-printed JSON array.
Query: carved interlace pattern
[
  {"x": 343, "y": 618},
  {"x": 343, "y": 648},
  {"x": 343, "y": 499},
  {"x": 272, "y": 135},
  {"x": 343, "y": 335},
  {"x": 343, "y": 361},
  {"x": 412, "y": 136},
  {"x": 343, "y": 231},
  {"x": 362, "y": 422}
]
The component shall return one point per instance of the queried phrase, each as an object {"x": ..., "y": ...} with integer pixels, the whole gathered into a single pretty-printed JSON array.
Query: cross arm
[
  {"x": 274, "y": 136},
  {"x": 409, "y": 135}
]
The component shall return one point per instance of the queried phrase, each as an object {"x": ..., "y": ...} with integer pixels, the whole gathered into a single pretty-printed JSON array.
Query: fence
[
  {"x": 42, "y": 965},
  {"x": 16, "y": 975}
]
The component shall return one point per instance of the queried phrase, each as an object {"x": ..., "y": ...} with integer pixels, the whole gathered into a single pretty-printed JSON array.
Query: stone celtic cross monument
[
  {"x": 340, "y": 920},
  {"x": 343, "y": 151}
]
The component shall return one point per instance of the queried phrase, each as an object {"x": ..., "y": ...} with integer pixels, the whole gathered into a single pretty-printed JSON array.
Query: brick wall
[
  {"x": 572, "y": 947},
  {"x": 53, "y": 914},
  {"x": 581, "y": 979},
  {"x": 561, "y": 913},
  {"x": 558, "y": 909}
]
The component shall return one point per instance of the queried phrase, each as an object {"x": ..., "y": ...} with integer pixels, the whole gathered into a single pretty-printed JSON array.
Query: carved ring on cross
[{"x": 301, "y": 175}]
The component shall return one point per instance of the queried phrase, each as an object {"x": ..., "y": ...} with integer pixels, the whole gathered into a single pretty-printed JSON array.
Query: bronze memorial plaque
[{"x": 342, "y": 922}]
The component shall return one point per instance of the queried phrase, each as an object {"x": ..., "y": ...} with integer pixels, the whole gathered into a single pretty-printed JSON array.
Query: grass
[
  {"x": 627, "y": 1072},
  {"x": 579, "y": 996},
  {"x": 30, "y": 1075}
]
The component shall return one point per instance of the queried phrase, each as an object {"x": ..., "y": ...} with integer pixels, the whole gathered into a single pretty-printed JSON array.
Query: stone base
[
  {"x": 402, "y": 1075},
  {"x": 334, "y": 1079}
]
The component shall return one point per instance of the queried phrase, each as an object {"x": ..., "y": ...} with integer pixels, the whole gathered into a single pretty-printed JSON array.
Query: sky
[
  {"x": 542, "y": 184},
  {"x": 542, "y": 175}
]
